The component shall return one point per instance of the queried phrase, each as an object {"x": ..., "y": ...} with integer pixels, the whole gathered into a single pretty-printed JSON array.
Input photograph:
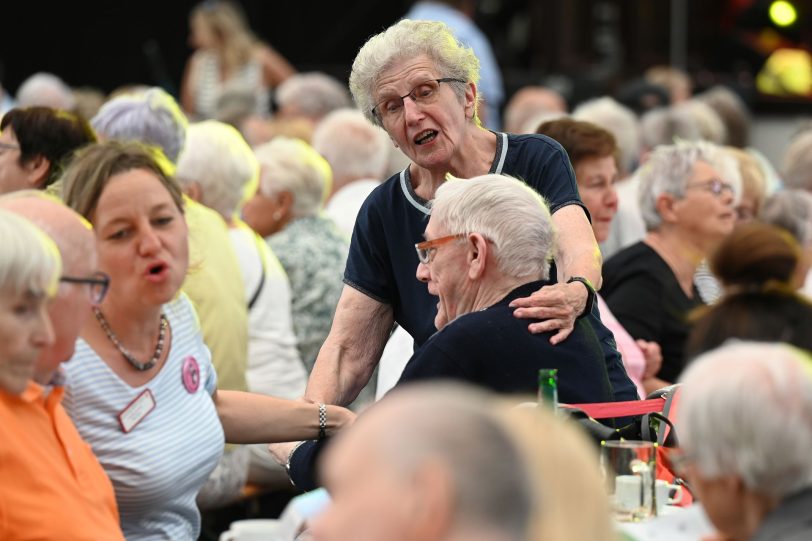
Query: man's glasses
[
  {"x": 391, "y": 109},
  {"x": 714, "y": 186},
  {"x": 98, "y": 284},
  {"x": 425, "y": 250},
  {"x": 9, "y": 146}
]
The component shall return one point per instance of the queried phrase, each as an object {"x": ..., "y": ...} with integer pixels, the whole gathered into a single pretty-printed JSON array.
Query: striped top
[
  {"x": 210, "y": 86},
  {"x": 158, "y": 467}
]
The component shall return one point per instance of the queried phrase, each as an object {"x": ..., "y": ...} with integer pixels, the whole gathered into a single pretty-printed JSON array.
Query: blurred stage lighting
[{"x": 783, "y": 13}]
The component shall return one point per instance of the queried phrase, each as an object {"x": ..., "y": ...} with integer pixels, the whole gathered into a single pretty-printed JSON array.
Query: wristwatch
[{"x": 590, "y": 294}]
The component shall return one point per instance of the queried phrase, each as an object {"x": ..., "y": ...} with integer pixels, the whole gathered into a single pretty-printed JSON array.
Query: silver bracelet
[{"x": 322, "y": 421}]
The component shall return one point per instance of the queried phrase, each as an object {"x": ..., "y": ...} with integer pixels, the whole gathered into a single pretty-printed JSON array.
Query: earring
[{"x": 277, "y": 214}]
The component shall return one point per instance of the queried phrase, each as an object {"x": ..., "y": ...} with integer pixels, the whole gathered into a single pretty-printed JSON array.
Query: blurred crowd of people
[{"x": 185, "y": 281}]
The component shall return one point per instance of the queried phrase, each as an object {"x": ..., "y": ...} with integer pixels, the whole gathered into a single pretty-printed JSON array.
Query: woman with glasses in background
[{"x": 687, "y": 195}]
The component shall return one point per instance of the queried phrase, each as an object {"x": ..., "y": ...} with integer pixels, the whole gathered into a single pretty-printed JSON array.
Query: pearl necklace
[{"x": 159, "y": 347}]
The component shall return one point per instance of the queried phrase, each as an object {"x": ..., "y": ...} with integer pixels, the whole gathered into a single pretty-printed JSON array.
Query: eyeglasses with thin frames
[
  {"x": 426, "y": 249},
  {"x": 98, "y": 284},
  {"x": 9, "y": 146},
  {"x": 425, "y": 93},
  {"x": 714, "y": 186}
]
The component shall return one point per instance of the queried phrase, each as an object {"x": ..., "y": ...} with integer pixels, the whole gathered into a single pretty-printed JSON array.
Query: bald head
[
  {"x": 528, "y": 103},
  {"x": 432, "y": 445},
  {"x": 74, "y": 237}
]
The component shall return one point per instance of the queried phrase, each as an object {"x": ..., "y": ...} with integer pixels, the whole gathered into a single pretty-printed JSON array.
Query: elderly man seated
[
  {"x": 489, "y": 241},
  {"x": 746, "y": 428}
]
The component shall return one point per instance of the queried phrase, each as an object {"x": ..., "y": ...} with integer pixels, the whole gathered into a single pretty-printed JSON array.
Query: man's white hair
[
  {"x": 217, "y": 157},
  {"x": 670, "y": 167},
  {"x": 351, "y": 145},
  {"x": 46, "y": 90},
  {"x": 507, "y": 212},
  {"x": 313, "y": 94},
  {"x": 291, "y": 165},
  {"x": 746, "y": 410},
  {"x": 617, "y": 119}
]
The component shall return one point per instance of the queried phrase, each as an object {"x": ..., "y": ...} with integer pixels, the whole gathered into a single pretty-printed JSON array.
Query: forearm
[
  {"x": 577, "y": 251},
  {"x": 348, "y": 357},
  {"x": 255, "y": 418}
]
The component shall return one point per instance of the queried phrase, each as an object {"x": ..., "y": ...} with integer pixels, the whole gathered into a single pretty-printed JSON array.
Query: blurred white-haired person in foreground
[{"x": 746, "y": 429}]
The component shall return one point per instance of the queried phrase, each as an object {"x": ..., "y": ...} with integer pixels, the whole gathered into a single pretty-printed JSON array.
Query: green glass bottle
[{"x": 548, "y": 388}]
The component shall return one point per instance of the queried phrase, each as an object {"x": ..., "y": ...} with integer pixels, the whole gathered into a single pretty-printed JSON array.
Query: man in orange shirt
[{"x": 51, "y": 485}]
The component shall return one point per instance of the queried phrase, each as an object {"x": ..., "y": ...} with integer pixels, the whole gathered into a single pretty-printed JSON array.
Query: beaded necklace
[{"x": 159, "y": 347}]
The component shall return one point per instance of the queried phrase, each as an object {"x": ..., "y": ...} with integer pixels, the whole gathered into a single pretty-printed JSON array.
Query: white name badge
[{"x": 136, "y": 410}]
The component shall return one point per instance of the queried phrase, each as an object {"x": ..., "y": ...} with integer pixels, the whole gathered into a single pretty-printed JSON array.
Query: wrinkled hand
[
  {"x": 557, "y": 305},
  {"x": 654, "y": 357},
  {"x": 281, "y": 451}
]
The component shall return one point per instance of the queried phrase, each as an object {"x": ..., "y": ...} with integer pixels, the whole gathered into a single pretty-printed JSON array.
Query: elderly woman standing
[
  {"x": 294, "y": 181},
  {"x": 418, "y": 83},
  {"x": 142, "y": 389},
  {"x": 688, "y": 207}
]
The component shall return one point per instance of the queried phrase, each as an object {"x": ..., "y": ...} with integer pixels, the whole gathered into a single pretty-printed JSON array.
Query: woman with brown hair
[
  {"x": 758, "y": 267},
  {"x": 142, "y": 387}
]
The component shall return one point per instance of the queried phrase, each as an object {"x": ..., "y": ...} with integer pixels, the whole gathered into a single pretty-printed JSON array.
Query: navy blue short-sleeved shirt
[{"x": 382, "y": 261}]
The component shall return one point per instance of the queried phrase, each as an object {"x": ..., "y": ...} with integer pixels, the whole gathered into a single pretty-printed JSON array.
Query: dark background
[{"x": 590, "y": 45}]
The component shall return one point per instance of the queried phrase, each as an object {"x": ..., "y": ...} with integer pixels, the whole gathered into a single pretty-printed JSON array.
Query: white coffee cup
[
  {"x": 628, "y": 492},
  {"x": 662, "y": 490},
  {"x": 254, "y": 530}
]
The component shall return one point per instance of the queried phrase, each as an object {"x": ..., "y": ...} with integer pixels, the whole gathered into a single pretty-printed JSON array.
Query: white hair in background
[
  {"x": 352, "y": 146},
  {"x": 710, "y": 124},
  {"x": 670, "y": 167},
  {"x": 217, "y": 157},
  {"x": 797, "y": 170},
  {"x": 46, "y": 90},
  {"x": 617, "y": 119},
  {"x": 790, "y": 210},
  {"x": 507, "y": 212},
  {"x": 29, "y": 259},
  {"x": 666, "y": 125},
  {"x": 291, "y": 165},
  {"x": 313, "y": 94},
  {"x": 746, "y": 409},
  {"x": 406, "y": 40},
  {"x": 152, "y": 117}
]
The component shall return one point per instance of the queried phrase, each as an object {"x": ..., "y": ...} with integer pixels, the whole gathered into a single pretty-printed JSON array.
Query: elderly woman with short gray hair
[
  {"x": 687, "y": 195},
  {"x": 420, "y": 84},
  {"x": 294, "y": 181}
]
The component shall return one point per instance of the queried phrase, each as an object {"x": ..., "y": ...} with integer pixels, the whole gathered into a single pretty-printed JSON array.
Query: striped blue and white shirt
[{"x": 159, "y": 466}]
